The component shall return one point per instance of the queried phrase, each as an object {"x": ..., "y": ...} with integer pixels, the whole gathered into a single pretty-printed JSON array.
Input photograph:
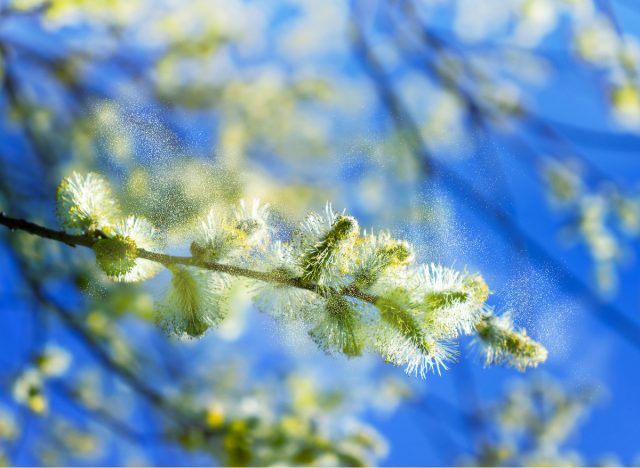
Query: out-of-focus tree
[{"x": 532, "y": 425}]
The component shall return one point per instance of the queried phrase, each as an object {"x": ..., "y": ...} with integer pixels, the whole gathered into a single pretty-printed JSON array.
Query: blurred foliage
[
  {"x": 605, "y": 219},
  {"x": 533, "y": 425}
]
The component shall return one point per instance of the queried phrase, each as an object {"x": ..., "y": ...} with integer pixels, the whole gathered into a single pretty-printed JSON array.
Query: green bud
[
  {"x": 194, "y": 302},
  {"x": 187, "y": 291},
  {"x": 398, "y": 253},
  {"x": 444, "y": 299},
  {"x": 504, "y": 345},
  {"x": 393, "y": 311},
  {"x": 343, "y": 228},
  {"x": 116, "y": 255},
  {"x": 248, "y": 226},
  {"x": 337, "y": 330},
  {"x": 321, "y": 255},
  {"x": 478, "y": 288}
]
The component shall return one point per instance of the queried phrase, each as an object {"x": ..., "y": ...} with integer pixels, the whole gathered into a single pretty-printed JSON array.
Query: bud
[
  {"x": 251, "y": 222},
  {"x": 477, "y": 288},
  {"x": 394, "y": 310},
  {"x": 337, "y": 330},
  {"x": 402, "y": 341},
  {"x": 215, "y": 416},
  {"x": 116, "y": 255},
  {"x": 444, "y": 299},
  {"x": 27, "y": 390},
  {"x": 343, "y": 228},
  {"x": 85, "y": 203},
  {"x": 320, "y": 258},
  {"x": 398, "y": 252},
  {"x": 193, "y": 303},
  {"x": 625, "y": 99},
  {"x": 375, "y": 255},
  {"x": 218, "y": 238},
  {"x": 53, "y": 361},
  {"x": 450, "y": 301},
  {"x": 504, "y": 345},
  {"x": 144, "y": 235}
]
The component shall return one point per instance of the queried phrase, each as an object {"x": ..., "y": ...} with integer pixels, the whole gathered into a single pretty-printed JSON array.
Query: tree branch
[
  {"x": 35, "y": 229},
  {"x": 86, "y": 240}
]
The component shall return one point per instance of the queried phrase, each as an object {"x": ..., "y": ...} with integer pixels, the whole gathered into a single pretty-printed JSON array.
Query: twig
[
  {"x": 167, "y": 260},
  {"x": 100, "y": 415}
]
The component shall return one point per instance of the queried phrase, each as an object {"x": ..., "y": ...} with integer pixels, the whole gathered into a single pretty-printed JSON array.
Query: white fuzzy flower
[
  {"x": 212, "y": 240},
  {"x": 315, "y": 226},
  {"x": 418, "y": 358},
  {"x": 434, "y": 278},
  {"x": 54, "y": 361},
  {"x": 145, "y": 236},
  {"x": 225, "y": 235},
  {"x": 338, "y": 328},
  {"x": 85, "y": 203},
  {"x": 502, "y": 344},
  {"x": 324, "y": 246},
  {"x": 194, "y": 302},
  {"x": 376, "y": 255},
  {"x": 451, "y": 302},
  {"x": 280, "y": 256},
  {"x": 280, "y": 300},
  {"x": 253, "y": 222}
]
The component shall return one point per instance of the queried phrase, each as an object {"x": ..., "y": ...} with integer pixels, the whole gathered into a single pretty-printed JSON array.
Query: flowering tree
[{"x": 531, "y": 425}]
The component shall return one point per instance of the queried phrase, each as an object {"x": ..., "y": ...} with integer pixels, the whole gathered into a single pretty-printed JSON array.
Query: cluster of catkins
[{"x": 353, "y": 291}]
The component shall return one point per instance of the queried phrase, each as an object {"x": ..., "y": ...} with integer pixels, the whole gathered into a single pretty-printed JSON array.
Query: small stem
[
  {"x": 35, "y": 229},
  {"x": 85, "y": 240}
]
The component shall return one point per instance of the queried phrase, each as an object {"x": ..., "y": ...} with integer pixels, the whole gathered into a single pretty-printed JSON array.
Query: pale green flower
[
  {"x": 324, "y": 244},
  {"x": 194, "y": 302},
  {"x": 53, "y": 361},
  {"x": 504, "y": 345},
  {"x": 86, "y": 203},
  {"x": 27, "y": 390},
  {"x": 145, "y": 236}
]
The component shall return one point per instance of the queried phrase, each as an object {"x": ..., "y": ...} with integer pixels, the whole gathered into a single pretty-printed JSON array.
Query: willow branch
[{"x": 85, "y": 240}]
